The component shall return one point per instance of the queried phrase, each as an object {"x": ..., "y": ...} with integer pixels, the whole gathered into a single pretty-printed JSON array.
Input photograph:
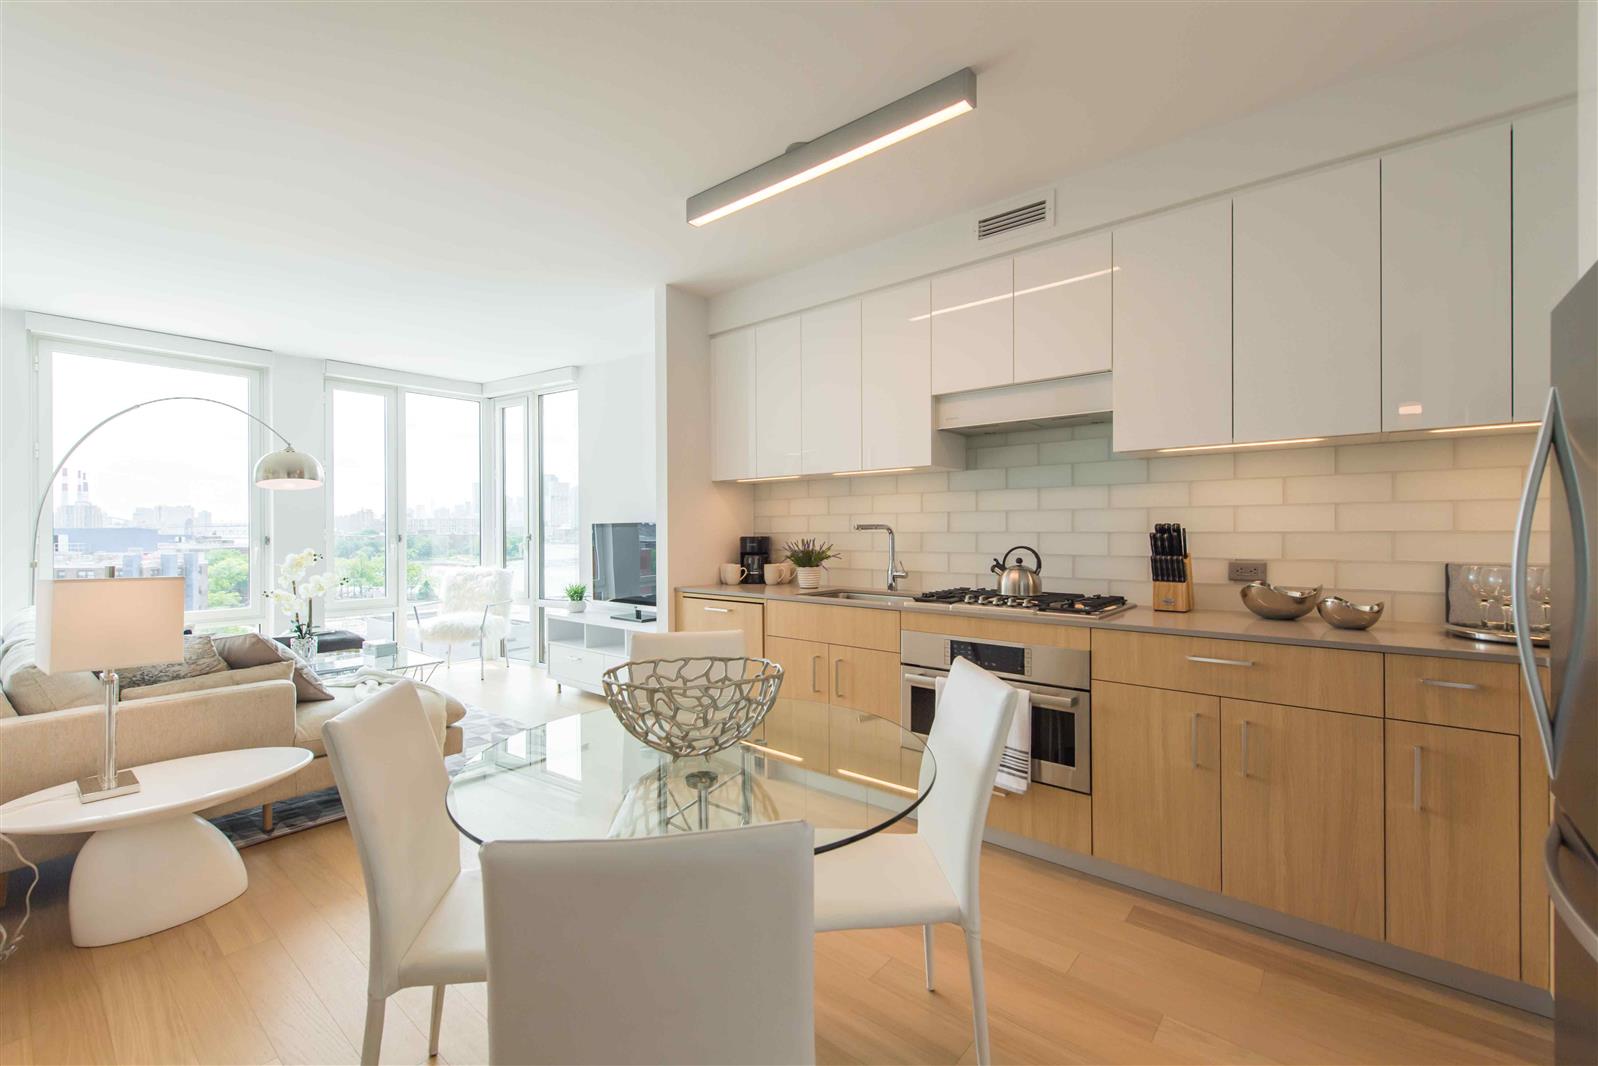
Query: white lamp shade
[{"x": 108, "y": 623}]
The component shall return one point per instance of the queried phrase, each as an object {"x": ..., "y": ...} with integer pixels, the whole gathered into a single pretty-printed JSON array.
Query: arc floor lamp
[{"x": 110, "y": 623}]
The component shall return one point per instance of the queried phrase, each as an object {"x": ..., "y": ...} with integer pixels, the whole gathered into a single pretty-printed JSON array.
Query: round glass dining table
[{"x": 583, "y": 777}]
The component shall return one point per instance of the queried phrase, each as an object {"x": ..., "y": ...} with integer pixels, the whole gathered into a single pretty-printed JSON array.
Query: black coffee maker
[{"x": 753, "y": 554}]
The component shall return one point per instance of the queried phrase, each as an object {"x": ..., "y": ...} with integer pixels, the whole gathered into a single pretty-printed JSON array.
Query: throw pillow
[
  {"x": 205, "y": 682},
  {"x": 199, "y": 657},
  {"x": 32, "y": 691},
  {"x": 252, "y": 649}
]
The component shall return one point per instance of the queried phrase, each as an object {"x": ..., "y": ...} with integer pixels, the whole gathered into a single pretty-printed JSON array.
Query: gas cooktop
[{"x": 1073, "y": 603}]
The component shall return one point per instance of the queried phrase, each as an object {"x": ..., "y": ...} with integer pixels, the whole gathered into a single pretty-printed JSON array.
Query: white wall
[
  {"x": 700, "y": 520},
  {"x": 615, "y": 446},
  {"x": 16, "y": 459},
  {"x": 1486, "y": 76}
]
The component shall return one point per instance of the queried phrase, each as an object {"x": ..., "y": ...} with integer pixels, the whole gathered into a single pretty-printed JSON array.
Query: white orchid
[{"x": 298, "y": 590}]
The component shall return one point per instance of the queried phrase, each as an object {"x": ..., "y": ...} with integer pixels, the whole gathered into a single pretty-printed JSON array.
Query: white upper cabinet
[
  {"x": 732, "y": 405},
  {"x": 1307, "y": 306},
  {"x": 1062, "y": 309},
  {"x": 830, "y": 389},
  {"x": 1173, "y": 330},
  {"x": 896, "y": 377},
  {"x": 1545, "y": 245},
  {"x": 778, "y": 350},
  {"x": 1446, "y": 282},
  {"x": 973, "y": 328}
]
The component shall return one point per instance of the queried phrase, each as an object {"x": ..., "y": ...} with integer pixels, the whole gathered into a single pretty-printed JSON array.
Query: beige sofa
[{"x": 53, "y": 746}]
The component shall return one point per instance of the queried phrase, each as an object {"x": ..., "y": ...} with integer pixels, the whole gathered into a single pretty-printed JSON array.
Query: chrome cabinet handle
[
  {"x": 837, "y": 678},
  {"x": 1553, "y": 435},
  {"x": 1245, "y": 748},
  {"x": 1463, "y": 685},
  {"x": 1584, "y": 933},
  {"x": 719, "y": 610},
  {"x": 1193, "y": 740},
  {"x": 1219, "y": 662},
  {"x": 1415, "y": 776},
  {"x": 815, "y": 667}
]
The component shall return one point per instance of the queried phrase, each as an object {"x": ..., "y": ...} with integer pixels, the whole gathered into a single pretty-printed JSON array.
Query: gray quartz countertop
[{"x": 1402, "y": 638}]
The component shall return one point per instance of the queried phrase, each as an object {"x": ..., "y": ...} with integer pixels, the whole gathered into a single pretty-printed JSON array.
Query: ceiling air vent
[{"x": 1031, "y": 212}]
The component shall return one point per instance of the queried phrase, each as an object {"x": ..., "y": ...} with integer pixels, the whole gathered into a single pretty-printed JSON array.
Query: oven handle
[
  {"x": 920, "y": 681},
  {"x": 1054, "y": 703}
]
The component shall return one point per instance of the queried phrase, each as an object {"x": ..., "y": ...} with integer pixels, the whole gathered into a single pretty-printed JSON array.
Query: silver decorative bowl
[
  {"x": 1346, "y": 614},
  {"x": 1279, "y": 601},
  {"x": 693, "y": 706}
]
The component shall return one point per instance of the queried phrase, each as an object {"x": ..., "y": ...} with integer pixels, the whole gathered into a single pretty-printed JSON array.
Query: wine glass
[
  {"x": 1495, "y": 582},
  {"x": 1539, "y": 589},
  {"x": 1475, "y": 580}
]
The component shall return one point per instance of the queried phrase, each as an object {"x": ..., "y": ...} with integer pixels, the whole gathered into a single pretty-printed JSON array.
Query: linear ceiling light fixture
[{"x": 904, "y": 118}]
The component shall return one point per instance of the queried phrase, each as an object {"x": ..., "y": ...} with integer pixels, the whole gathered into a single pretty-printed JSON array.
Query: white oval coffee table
[{"x": 152, "y": 863}]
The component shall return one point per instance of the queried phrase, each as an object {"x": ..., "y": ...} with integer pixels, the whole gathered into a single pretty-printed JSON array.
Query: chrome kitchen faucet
[{"x": 894, "y": 572}]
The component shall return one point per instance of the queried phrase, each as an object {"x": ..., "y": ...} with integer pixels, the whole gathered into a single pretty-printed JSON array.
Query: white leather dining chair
[
  {"x": 716, "y": 643},
  {"x": 426, "y": 913},
  {"x": 933, "y": 874},
  {"x": 694, "y": 948}
]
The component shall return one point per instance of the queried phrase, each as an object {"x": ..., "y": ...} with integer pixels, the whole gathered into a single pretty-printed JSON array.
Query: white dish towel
[{"x": 1015, "y": 765}]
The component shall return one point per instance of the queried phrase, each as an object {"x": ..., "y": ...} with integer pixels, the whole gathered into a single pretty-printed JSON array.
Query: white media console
[{"x": 582, "y": 646}]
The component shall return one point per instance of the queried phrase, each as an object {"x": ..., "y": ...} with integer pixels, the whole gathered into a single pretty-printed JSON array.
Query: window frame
[
  {"x": 394, "y": 547},
  {"x": 44, "y": 345}
]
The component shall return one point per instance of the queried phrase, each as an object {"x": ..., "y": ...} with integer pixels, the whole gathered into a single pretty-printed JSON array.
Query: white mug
[
  {"x": 732, "y": 573},
  {"x": 774, "y": 573}
]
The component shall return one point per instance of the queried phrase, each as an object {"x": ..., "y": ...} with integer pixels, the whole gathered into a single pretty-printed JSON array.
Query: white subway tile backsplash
[
  {"x": 974, "y": 521},
  {"x": 1289, "y": 462},
  {"x": 1395, "y": 455},
  {"x": 1287, "y": 517},
  {"x": 1031, "y": 477},
  {"x": 1152, "y": 494},
  {"x": 1370, "y": 521},
  {"x": 1339, "y": 488},
  {"x": 1113, "y": 472},
  {"x": 1394, "y": 516},
  {"x": 1191, "y": 467},
  {"x": 965, "y": 480},
  {"x": 1237, "y": 491},
  {"x": 1499, "y": 483},
  {"x": 1008, "y": 500}
]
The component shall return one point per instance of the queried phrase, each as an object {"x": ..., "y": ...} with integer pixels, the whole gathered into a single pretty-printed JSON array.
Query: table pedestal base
[{"x": 143, "y": 878}]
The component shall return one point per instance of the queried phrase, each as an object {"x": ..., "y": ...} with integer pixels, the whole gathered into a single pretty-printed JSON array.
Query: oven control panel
[{"x": 999, "y": 658}]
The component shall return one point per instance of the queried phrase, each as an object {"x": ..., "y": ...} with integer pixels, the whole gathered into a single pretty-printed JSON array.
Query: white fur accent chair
[{"x": 476, "y": 606}]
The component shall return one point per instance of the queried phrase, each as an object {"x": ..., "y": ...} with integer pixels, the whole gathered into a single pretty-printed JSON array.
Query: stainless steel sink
[{"x": 860, "y": 595}]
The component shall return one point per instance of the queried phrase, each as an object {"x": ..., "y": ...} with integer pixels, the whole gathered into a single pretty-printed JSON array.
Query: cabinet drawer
[
  {"x": 577, "y": 665},
  {"x": 1323, "y": 678},
  {"x": 696, "y": 614},
  {"x": 1456, "y": 692},
  {"x": 853, "y": 627}
]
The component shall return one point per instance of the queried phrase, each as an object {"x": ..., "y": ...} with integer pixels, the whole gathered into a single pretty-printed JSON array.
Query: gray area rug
[{"x": 480, "y": 728}]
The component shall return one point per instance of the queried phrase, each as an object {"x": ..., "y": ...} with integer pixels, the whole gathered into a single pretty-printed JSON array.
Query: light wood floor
[{"x": 1077, "y": 971}]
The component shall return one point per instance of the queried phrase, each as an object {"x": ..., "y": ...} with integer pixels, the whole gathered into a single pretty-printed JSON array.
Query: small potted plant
[
  {"x": 809, "y": 558},
  {"x": 575, "y": 602}
]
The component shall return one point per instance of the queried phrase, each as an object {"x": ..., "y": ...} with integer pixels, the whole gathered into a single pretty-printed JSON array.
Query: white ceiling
[{"x": 484, "y": 190}]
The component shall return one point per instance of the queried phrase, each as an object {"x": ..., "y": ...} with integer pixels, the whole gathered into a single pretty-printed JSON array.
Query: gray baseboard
[{"x": 1488, "y": 986}]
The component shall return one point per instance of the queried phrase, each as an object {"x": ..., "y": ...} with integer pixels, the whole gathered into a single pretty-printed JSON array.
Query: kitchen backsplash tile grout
[{"x": 1370, "y": 521}]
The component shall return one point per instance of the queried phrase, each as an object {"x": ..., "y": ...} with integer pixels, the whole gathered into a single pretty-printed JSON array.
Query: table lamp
[{"x": 105, "y": 624}]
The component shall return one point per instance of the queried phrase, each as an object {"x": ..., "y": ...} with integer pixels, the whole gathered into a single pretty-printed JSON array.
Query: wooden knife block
[{"x": 1176, "y": 595}]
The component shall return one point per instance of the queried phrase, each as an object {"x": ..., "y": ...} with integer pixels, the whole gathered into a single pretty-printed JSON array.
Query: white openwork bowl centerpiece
[{"x": 692, "y": 706}]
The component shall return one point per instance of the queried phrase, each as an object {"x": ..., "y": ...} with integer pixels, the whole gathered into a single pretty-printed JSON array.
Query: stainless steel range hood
[{"x": 1034, "y": 405}]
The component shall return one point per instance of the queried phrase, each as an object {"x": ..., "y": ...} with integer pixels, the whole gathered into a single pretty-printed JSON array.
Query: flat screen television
[{"x": 624, "y": 562}]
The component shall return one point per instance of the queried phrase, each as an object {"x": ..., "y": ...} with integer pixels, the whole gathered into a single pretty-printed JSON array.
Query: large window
[
  {"x": 360, "y": 492},
  {"x": 163, "y": 491},
  {"x": 515, "y": 519},
  {"x": 557, "y": 451},
  {"x": 442, "y": 498}
]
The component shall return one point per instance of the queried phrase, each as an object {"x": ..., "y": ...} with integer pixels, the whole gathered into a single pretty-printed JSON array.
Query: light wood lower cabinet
[
  {"x": 804, "y": 667},
  {"x": 1453, "y": 860},
  {"x": 697, "y": 614},
  {"x": 1156, "y": 782},
  {"x": 865, "y": 680},
  {"x": 798, "y": 731},
  {"x": 1053, "y": 816},
  {"x": 1301, "y": 813}
]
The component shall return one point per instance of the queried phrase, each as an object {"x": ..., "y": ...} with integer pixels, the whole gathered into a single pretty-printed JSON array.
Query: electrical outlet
[{"x": 1245, "y": 570}]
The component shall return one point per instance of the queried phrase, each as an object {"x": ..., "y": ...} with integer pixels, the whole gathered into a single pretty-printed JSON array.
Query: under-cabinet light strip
[
  {"x": 1487, "y": 428},
  {"x": 1248, "y": 444}
]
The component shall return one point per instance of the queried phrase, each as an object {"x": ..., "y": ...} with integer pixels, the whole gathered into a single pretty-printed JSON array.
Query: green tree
[{"x": 229, "y": 571}]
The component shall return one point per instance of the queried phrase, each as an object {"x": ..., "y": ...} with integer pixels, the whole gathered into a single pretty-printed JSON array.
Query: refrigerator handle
[
  {"x": 1551, "y": 437},
  {"x": 1580, "y": 929}
]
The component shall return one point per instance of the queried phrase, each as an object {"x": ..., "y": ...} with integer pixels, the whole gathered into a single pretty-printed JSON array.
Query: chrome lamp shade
[{"x": 288, "y": 469}]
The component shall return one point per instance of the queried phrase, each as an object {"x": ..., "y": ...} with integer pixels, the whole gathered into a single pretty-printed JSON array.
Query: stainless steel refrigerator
[{"x": 1567, "y": 714}]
